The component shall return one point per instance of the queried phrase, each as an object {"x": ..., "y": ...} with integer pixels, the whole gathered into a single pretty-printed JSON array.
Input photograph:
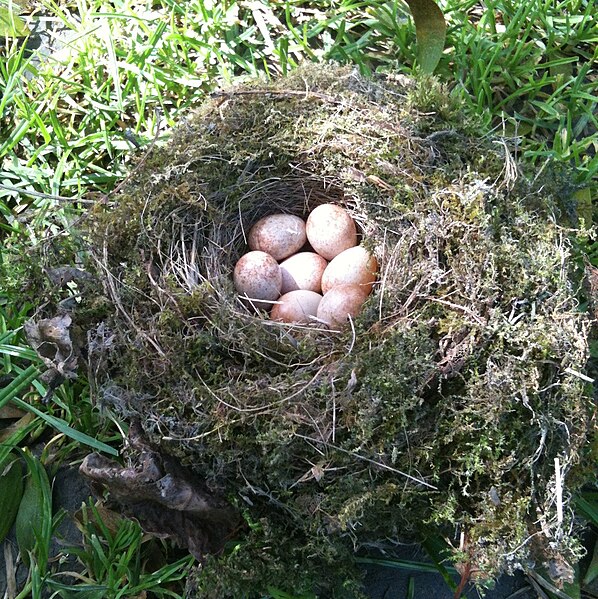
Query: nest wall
[{"x": 445, "y": 403}]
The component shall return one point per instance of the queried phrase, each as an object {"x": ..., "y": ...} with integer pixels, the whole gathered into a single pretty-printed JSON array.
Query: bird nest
[{"x": 441, "y": 409}]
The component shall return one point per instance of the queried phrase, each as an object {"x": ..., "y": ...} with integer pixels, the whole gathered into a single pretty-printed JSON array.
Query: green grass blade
[
  {"x": 80, "y": 591},
  {"x": 592, "y": 571},
  {"x": 436, "y": 548},
  {"x": 11, "y": 491},
  {"x": 17, "y": 351},
  {"x": 34, "y": 518},
  {"x": 64, "y": 428},
  {"x": 406, "y": 565},
  {"x": 11, "y": 442},
  {"x": 18, "y": 384},
  {"x": 587, "y": 505},
  {"x": 11, "y": 25},
  {"x": 430, "y": 29}
]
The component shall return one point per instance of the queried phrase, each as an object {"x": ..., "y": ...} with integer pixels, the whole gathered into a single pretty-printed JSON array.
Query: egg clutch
[{"x": 328, "y": 284}]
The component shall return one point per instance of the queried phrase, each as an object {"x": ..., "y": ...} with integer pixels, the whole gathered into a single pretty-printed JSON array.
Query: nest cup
[
  {"x": 443, "y": 403},
  {"x": 205, "y": 250}
]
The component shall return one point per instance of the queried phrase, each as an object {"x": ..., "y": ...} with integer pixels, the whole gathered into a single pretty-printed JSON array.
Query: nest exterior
[{"x": 441, "y": 408}]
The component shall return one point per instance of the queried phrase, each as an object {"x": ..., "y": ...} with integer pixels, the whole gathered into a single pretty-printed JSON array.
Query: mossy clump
[{"x": 444, "y": 405}]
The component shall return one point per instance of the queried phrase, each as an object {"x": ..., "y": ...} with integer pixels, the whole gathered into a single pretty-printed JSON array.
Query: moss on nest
[{"x": 445, "y": 404}]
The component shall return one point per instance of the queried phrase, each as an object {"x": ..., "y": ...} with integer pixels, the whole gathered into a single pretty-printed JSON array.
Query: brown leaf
[
  {"x": 380, "y": 183},
  {"x": 9, "y": 412},
  {"x": 560, "y": 571},
  {"x": 8, "y": 431},
  {"x": 11, "y": 571},
  {"x": 166, "y": 499},
  {"x": 51, "y": 339},
  {"x": 317, "y": 472},
  {"x": 109, "y": 518},
  {"x": 62, "y": 275}
]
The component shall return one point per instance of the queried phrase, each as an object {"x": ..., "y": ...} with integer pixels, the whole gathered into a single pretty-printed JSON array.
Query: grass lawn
[{"x": 101, "y": 81}]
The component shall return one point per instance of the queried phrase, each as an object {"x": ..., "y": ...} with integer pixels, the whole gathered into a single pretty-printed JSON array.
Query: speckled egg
[
  {"x": 257, "y": 276},
  {"x": 340, "y": 303},
  {"x": 303, "y": 271},
  {"x": 279, "y": 235},
  {"x": 330, "y": 230},
  {"x": 355, "y": 266},
  {"x": 300, "y": 306}
]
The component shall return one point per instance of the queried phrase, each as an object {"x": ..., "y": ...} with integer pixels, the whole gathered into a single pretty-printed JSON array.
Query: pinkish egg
[
  {"x": 355, "y": 266},
  {"x": 303, "y": 271},
  {"x": 279, "y": 235},
  {"x": 340, "y": 303},
  {"x": 257, "y": 276},
  {"x": 298, "y": 306},
  {"x": 330, "y": 230}
]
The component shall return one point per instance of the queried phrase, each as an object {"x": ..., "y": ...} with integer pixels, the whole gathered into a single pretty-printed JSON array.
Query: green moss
[
  {"x": 260, "y": 562},
  {"x": 445, "y": 403}
]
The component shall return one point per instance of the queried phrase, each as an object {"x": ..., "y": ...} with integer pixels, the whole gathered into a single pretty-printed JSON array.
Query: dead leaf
[
  {"x": 11, "y": 572},
  {"x": 9, "y": 412},
  {"x": 8, "y": 431},
  {"x": 51, "y": 339},
  {"x": 355, "y": 174},
  {"x": 62, "y": 275},
  {"x": 165, "y": 498},
  {"x": 380, "y": 183},
  {"x": 109, "y": 518},
  {"x": 317, "y": 472},
  {"x": 560, "y": 571}
]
